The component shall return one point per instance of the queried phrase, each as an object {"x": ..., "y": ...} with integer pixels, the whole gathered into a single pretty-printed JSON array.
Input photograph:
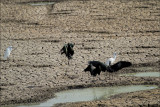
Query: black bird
[
  {"x": 98, "y": 63},
  {"x": 68, "y": 50},
  {"x": 90, "y": 67},
  {"x": 118, "y": 66},
  {"x": 96, "y": 71},
  {"x": 95, "y": 67},
  {"x": 93, "y": 70}
]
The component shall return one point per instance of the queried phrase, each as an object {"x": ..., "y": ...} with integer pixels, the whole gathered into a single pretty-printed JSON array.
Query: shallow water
[
  {"x": 143, "y": 74},
  {"x": 89, "y": 94}
]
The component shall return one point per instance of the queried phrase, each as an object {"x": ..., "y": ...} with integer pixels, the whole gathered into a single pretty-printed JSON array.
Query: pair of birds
[
  {"x": 95, "y": 67},
  {"x": 67, "y": 50}
]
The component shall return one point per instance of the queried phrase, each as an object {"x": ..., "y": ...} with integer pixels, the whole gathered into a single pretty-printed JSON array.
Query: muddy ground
[{"x": 99, "y": 28}]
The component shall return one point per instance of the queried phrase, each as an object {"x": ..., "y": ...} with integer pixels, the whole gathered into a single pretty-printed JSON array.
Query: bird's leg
[
  {"x": 7, "y": 60},
  {"x": 93, "y": 79},
  {"x": 68, "y": 62},
  {"x": 112, "y": 76},
  {"x": 109, "y": 75},
  {"x": 109, "y": 72}
]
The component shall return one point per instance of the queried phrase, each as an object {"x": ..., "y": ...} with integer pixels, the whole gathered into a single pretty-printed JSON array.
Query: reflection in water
[
  {"x": 89, "y": 94},
  {"x": 143, "y": 74}
]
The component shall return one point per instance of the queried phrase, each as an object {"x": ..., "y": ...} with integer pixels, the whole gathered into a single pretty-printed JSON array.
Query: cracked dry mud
[{"x": 36, "y": 70}]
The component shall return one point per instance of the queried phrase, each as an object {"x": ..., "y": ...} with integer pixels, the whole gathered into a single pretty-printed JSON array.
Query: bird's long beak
[{"x": 14, "y": 48}]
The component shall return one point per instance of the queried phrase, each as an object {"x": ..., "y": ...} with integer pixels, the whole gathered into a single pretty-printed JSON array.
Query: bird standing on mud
[
  {"x": 68, "y": 50},
  {"x": 95, "y": 67},
  {"x": 93, "y": 70},
  {"x": 7, "y": 52}
]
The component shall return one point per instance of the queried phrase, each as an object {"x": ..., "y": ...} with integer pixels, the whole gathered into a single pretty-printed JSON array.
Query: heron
[
  {"x": 67, "y": 49},
  {"x": 110, "y": 61},
  {"x": 7, "y": 52}
]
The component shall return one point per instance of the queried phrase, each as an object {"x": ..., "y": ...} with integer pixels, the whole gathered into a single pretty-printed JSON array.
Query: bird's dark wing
[
  {"x": 99, "y": 70},
  {"x": 93, "y": 73},
  {"x": 119, "y": 65},
  {"x": 88, "y": 68},
  {"x": 91, "y": 69},
  {"x": 64, "y": 49},
  {"x": 98, "y": 63},
  {"x": 70, "y": 51},
  {"x": 96, "y": 71}
]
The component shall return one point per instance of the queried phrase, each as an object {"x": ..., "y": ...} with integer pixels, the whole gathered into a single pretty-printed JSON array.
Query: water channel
[{"x": 87, "y": 94}]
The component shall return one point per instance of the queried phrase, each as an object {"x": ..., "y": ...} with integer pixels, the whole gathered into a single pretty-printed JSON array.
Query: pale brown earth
[{"x": 36, "y": 70}]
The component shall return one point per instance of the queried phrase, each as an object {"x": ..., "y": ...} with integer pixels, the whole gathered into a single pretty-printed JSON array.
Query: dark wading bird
[
  {"x": 93, "y": 70},
  {"x": 95, "y": 67},
  {"x": 68, "y": 50}
]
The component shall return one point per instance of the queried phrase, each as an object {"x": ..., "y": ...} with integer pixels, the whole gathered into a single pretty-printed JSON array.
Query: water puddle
[
  {"x": 41, "y": 3},
  {"x": 88, "y": 94},
  {"x": 143, "y": 74}
]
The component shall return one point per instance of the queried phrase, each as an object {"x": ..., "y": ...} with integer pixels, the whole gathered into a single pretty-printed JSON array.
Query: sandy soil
[{"x": 36, "y": 69}]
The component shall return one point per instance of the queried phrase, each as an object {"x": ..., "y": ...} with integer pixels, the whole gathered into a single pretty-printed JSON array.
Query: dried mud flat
[{"x": 36, "y": 70}]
